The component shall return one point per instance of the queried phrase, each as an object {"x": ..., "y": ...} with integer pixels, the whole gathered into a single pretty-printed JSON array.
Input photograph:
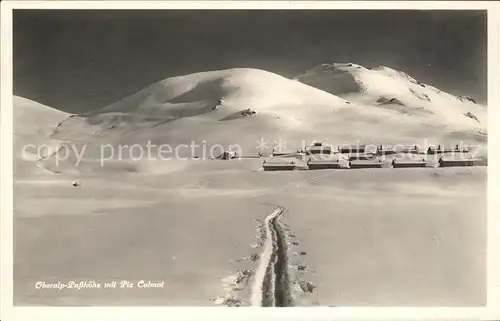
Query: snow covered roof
[
  {"x": 323, "y": 161},
  {"x": 409, "y": 161}
]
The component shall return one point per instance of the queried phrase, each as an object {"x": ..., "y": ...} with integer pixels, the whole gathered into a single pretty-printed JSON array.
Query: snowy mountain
[
  {"x": 388, "y": 88},
  {"x": 339, "y": 103},
  {"x": 234, "y": 106}
]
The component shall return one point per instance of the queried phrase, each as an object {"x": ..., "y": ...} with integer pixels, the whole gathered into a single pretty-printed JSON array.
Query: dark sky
[{"x": 78, "y": 60}]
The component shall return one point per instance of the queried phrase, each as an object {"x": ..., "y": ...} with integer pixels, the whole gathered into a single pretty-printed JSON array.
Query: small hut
[
  {"x": 349, "y": 149},
  {"x": 361, "y": 156},
  {"x": 332, "y": 163},
  {"x": 282, "y": 166},
  {"x": 366, "y": 164},
  {"x": 441, "y": 150},
  {"x": 405, "y": 163},
  {"x": 411, "y": 149},
  {"x": 318, "y": 149},
  {"x": 451, "y": 162},
  {"x": 394, "y": 149},
  {"x": 437, "y": 149},
  {"x": 461, "y": 149},
  {"x": 385, "y": 150}
]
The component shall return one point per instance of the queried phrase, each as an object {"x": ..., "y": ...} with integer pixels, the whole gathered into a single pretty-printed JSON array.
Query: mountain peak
[{"x": 382, "y": 85}]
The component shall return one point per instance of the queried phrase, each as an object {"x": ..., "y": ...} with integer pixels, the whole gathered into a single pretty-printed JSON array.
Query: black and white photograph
[{"x": 249, "y": 157}]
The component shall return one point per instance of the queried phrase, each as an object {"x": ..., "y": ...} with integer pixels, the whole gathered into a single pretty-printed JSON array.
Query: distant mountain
[
  {"x": 388, "y": 88},
  {"x": 339, "y": 103},
  {"x": 234, "y": 106}
]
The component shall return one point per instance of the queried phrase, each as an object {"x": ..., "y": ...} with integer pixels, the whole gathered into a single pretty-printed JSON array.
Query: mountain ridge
[
  {"x": 382, "y": 83},
  {"x": 244, "y": 106}
]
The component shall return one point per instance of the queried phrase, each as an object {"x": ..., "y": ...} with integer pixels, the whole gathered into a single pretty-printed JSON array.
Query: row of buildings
[
  {"x": 376, "y": 163},
  {"x": 360, "y": 156},
  {"x": 319, "y": 148}
]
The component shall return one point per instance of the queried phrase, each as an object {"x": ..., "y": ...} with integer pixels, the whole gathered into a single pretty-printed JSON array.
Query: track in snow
[{"x": 271, "y": 287}]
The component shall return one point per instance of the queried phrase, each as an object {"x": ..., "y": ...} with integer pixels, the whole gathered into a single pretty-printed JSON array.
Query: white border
[{"x": 490, "y": 312}]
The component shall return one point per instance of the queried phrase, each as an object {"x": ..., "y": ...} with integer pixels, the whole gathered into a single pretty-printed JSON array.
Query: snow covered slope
[
  {"x": 33, "y": 127},
  {"x": 234, "y": 106},
  {"x": 244, "y": 106},
  {"x": 210, "y": 96},
  {"x": 197, "y": 93},
  {"x": 35, "y": 119},
  {"x": 388, "y": 88}
]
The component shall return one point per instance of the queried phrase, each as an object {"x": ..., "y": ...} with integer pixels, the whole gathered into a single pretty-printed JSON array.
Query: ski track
[{"x": 269, "y": 288}]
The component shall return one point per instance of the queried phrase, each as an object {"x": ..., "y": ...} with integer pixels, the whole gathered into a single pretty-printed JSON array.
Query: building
[
  {"x": 443, "y": 162},
  {"x": 319, "y": 149},
  {"x": 385, "y": 150},
  {"x": 361, "y": 156},
  {"x": 437, "y": 149},
  {"x": 441, "y": 150},
  {"x": 411, "y": 149},
  {"x": 461, "y": 149},
  {"x": 394, "y": 149},
  {"x": 405, "y": 163},
  {"x": 282, "y": 166},
  {"x": 323, "y": 164},
  {"x": 349, "y": 149},
  {"x": 366, "y": 164}
]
